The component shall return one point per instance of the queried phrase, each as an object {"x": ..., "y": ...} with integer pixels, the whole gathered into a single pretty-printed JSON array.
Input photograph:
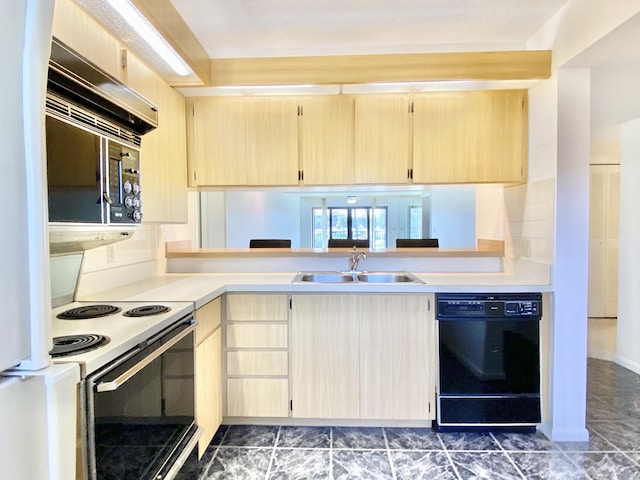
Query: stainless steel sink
[
  {"x": 356, "y": 277},
  {"x": 387, "y": 277}
]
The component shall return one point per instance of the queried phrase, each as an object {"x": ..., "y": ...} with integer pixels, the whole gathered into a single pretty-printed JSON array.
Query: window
[
  {"x": 350, "y": 222},
  {"x": 415, "y": 221}
]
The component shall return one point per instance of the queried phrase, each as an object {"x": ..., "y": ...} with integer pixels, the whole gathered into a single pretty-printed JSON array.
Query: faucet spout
[{"x": 355, "y": 259}]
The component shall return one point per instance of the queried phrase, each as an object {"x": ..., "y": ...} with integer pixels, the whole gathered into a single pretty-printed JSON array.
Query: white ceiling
[{"x": 271, "y": 28}]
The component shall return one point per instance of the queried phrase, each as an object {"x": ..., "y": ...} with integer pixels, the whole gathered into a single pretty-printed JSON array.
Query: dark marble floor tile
[
  {"x": 129, "y": 463},
  {"x": 304, "y": 437},
  {"x": 250, "y": 436},
  {"x": 595, "y": 444},
  {"x": 547, "y": 466},
  {"x": 232, "y": 463},
  {"x": 412, "y": 439},
  {"x": 360, "y": 464},
  {"x": 219, "y": 435},
  {"x": 621, "y": 434},
  {"x": 358, "y": 438},
  {"x": 484, "y": 465},
  {"x": 610, "y": 465},
  {"x": 413, "y": 465},
  {"x": 468, "y": 441},
  {"x": 300, "y": 464},
  {"x": 525, "y": 441}
]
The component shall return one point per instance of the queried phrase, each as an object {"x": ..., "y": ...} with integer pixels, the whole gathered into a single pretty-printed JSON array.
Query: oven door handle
[{"x": 122, "y": 379}]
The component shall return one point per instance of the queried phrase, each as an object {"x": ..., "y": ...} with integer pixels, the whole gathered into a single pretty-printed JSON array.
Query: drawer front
[
  {"x": 208, "y": 317},
  {"x": 257, "y": 397},
  {"x": 254, "y": 308},
  {"x": 256, "y": 336},
  {"x": 257, "y": 363}
]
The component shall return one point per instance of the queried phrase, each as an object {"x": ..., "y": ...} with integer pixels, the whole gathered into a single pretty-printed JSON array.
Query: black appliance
[
  {"x": 93, "y": 127},
  {"x": 489, "y": 361}
]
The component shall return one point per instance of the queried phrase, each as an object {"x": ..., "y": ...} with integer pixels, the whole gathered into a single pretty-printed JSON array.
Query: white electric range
[{"x": 122, "y": 331}]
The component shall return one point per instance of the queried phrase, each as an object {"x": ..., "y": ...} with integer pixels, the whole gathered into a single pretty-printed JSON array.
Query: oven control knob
[
  {"x": 137, "y": 216},
  {"x": 136, "y": 203},
  {"x": 127, "y": 187},
  {"x": 136, "y": 189},
  {"x": 128, "y": 202}
]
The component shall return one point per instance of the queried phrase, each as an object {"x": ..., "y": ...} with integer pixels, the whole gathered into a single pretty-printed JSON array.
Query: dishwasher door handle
[{"x": 116, "y": 383}]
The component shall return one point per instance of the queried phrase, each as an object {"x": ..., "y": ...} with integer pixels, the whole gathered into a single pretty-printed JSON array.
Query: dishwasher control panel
[{"x": 476, "y": 305}]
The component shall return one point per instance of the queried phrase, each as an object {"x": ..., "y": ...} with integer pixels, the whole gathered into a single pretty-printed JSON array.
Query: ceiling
[{"x": 277, "y": 28}]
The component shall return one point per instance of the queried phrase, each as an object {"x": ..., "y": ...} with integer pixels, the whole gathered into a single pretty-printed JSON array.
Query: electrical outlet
[{"x": 111, "y": 254}]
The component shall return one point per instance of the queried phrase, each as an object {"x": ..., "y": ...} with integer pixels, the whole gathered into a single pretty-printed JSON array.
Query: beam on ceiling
[
  {"x": 164, "y": 17},
  {"x": 355, "y": 69}
]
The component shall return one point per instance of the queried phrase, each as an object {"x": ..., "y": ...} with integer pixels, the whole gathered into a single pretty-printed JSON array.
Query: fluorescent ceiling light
[{"x": 150, "y": 35}]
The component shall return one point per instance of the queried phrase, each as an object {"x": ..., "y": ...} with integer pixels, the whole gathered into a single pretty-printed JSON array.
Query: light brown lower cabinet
[
  {"x": 256, "y": 355},
  {"x": 363, "y": 357},
  {"x": 208, "y": 363}
]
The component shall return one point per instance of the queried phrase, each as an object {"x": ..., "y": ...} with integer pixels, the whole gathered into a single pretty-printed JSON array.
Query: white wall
[
  {"x": 453, "y": 216},
  {"x": 628, "y": 353}
]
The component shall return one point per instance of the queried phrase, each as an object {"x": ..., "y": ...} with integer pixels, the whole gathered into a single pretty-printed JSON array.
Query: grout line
[
  {"x": 330, "y": 453},
  {"x": 451, "y": 462},
  {"x": 273, "y": 453},
  {"x": 386, "y": 444}
]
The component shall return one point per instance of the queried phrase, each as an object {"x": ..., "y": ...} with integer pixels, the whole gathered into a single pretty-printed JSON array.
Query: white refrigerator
[{"x": 37, "y": 399}]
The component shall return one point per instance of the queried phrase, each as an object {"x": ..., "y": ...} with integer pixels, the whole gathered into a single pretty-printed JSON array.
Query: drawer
[
  {"x": 242, "y": 307},
  {"x": 257, "y": 397},
  {"x": 255, "y": 335},
  {"x": 257, "y": 363}
]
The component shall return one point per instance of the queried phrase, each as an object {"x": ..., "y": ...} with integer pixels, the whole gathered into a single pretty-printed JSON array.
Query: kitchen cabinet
[
  {"x": 470, "y": 137},
  {"x": 363, "y": 356},
  {"x": 327, "y": 140},
  {"x": 256, "y": 355},
  {"x": 382, "y": 139},
  {"x": 163, "y": 151},
  {"x": 208, "y": 364},
  {"x": 242, "y": 141},
  {"x": 77, "y": 29}
]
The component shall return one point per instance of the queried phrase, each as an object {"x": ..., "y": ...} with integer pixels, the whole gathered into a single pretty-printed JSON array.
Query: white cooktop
[{"x": 124, "y": 332}]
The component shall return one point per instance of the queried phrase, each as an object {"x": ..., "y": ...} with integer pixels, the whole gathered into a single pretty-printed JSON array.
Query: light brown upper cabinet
[
  {"x": 326, "y": 140},
  {"x": 382, "y": 138},
  {"x": 242, "y": 141},
  {"x": 163, "y": 151},
  {"x": 470, "y": 137},
  {"x": 272, "y": 140}
]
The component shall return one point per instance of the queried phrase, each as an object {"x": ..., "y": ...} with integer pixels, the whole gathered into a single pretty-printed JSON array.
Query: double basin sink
[{"x": 356, "y": 277}]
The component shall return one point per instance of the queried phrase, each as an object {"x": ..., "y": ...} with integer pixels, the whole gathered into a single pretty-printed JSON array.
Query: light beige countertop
[{"x": 201, "y": 288}]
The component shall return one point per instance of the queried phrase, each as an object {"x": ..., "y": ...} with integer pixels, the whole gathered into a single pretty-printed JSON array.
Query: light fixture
[
  {"x": 351, "y": 199},
  {"x": 150, "y": 35}
]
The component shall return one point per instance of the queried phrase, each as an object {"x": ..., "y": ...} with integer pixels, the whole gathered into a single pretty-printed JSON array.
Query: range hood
[
  {"x": 80, "y": 81},
  {"x": 66, "y": 239}
]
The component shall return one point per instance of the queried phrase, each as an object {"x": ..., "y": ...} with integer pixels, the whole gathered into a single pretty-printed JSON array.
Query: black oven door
[
  {"x": 140, "y": 410},
  {"x": 74, "y": 173}
]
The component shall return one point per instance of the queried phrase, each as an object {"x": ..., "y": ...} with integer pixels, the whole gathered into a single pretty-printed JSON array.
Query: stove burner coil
[
  {"x": 74, "y": 344},
  {"x": 146, "y": 311},
  {"x": 88, "y": 311}
]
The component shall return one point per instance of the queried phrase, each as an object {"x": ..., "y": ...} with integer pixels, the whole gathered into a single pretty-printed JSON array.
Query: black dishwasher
[{"x": 489, "y": 361}]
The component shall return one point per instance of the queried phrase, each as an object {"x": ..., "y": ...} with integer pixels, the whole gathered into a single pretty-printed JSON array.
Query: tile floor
[{"x": 272, "y": 452}]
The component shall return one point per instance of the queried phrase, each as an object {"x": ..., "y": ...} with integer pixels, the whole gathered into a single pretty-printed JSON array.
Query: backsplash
[{"x": 530, "y": 221}]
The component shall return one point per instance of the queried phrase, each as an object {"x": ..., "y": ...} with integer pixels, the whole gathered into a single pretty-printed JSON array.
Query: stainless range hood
[{"x": 64, "y": 239}]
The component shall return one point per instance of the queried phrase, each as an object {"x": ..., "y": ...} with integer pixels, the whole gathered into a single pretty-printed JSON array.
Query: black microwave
[{"x": 91, "y": 177}]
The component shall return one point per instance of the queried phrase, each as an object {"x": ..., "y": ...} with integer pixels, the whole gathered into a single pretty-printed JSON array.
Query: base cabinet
[
  {"x": 208, "y": 364},
  {"x": 256, "y": 355},
  {"x": 363, "y": 357}
]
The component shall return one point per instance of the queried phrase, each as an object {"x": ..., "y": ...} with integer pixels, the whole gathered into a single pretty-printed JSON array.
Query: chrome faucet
[{"x": 355, "y": 259}]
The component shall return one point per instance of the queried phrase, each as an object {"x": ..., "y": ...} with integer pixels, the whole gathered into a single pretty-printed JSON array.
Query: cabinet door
[
  {"x": 470, "y": 137},
  {"x": 324, "y": 356},
  {"x": 209, "y": 388},
  {"x": 272, "y": 141},
  {"x": 327, "y": 140},
  {"x": 396, "y": 358},
  {"x": 382, "y": 138},
  {"x": 216, "y": 140},
  {"x": 163, "y": 151}
]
